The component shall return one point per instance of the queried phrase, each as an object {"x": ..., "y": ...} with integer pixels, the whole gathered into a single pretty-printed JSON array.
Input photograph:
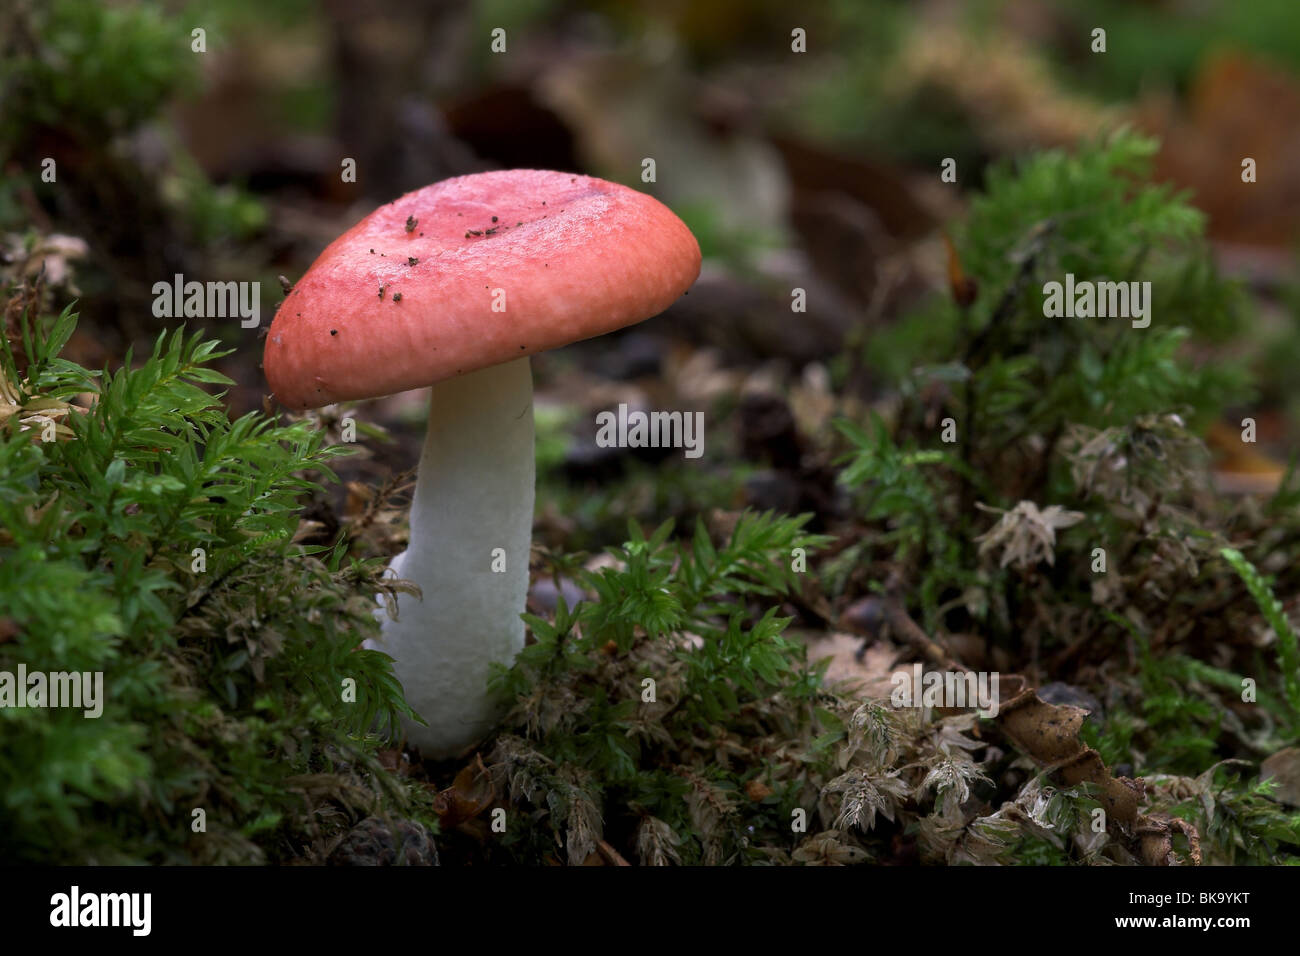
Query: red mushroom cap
[{"x": 405, "y": 298}]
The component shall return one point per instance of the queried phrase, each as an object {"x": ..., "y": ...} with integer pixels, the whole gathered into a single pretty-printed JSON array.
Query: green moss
[{"x": 152, "y": 541}]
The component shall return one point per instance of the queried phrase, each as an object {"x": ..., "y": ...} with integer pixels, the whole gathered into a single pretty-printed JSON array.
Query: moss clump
[
  {"x": 146, "y": 537},
  {"x": 1074, "y": 435}
]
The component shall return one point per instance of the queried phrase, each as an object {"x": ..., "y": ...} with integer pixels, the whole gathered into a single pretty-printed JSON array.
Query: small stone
[
  {"x": 1061, "y": 693},
  {"x": 379, "y": 842},
  {"x": 1284, "y": 767},
  {"x": 543, "y": 593}
]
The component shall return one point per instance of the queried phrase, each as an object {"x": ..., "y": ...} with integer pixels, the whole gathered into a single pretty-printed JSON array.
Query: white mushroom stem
[{"x": 474, "y": 495}]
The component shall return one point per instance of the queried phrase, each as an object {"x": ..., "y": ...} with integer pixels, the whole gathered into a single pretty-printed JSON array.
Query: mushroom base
[{"x": 471, "y": 529}]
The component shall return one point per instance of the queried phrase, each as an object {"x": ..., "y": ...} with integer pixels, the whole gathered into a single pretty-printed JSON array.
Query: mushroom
[{"x": 453, "y": 286}]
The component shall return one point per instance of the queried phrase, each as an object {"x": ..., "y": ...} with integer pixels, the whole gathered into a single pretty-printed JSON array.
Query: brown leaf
[
  {"x": 1233, "y": 102},
  {"x": 1048, "y": 733},
  {"x": 469, "y": 795}
]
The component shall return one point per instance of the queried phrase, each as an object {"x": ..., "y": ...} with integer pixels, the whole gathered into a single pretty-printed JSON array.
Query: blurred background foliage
[{"x": 816, "y": 170}]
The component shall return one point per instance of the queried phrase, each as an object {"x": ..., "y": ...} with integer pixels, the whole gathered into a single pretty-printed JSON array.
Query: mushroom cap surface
[{"x": 471, "y": 272}]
